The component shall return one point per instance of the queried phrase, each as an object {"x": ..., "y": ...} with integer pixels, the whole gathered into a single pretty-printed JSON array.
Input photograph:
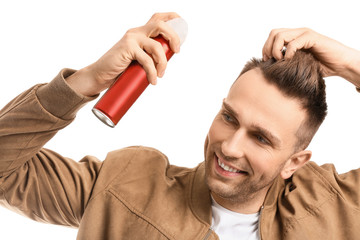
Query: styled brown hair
[{"x": 300, "y": 78}]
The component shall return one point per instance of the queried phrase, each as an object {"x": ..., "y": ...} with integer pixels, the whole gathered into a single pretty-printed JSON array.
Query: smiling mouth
[{"x": 226, "y": 169}]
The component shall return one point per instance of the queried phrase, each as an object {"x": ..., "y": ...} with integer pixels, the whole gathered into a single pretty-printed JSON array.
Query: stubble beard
[{"x": 241, "y": 193}]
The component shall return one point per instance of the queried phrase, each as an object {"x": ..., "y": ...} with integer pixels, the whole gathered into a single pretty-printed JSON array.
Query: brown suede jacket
[{"x": 108, "y": 200}]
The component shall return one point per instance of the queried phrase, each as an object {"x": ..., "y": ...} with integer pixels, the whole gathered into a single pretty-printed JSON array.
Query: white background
[{"x": 39, "y": 38}]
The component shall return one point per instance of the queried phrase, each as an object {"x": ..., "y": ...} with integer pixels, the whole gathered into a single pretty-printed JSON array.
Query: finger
[
  {"x": 267, "y": 48},
  {"x": 278, "y": 39},
  {"x": 163, "y": 16},
  {"x": 157, "y": 53},
  {"x": 147, "y": 63},
  {"x": 171, "y": 36},
  {"x": 282, "y": 39},
  {"x": 161, "y": 28},
  {"x": 304, "y": 41}
]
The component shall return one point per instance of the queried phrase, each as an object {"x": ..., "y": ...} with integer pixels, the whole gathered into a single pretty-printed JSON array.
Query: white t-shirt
[{"x": 229, "y": 225}]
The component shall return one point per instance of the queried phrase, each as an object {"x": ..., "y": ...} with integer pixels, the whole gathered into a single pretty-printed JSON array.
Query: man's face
[{"x": 251, "y": 138}]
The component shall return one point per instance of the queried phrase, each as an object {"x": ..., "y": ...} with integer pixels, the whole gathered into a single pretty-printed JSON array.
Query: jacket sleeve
[{"x": 34, "y": 181}]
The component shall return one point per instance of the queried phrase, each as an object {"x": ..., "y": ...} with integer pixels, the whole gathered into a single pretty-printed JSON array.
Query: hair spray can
[{"x": 131, "y": 83}]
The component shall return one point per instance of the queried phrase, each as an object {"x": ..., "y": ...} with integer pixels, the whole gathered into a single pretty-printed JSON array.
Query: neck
[{"x": 244, "y": 205}]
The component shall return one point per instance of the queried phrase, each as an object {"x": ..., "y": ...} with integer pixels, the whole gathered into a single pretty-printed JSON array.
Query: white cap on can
[{"x": 180, "y": 27}]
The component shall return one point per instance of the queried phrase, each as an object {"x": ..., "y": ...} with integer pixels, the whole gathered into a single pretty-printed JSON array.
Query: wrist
[
  {"x": 84, "y": 82},
  {"x": 58, "y": 97}
]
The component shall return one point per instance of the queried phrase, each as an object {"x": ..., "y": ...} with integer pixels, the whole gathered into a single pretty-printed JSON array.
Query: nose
[{"x": 233, "y": 145}]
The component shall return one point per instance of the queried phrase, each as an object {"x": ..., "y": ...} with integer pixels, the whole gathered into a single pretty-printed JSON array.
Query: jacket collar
[
  {"x": 200, "y": 199},
  {"x": 272, "y": 196}
]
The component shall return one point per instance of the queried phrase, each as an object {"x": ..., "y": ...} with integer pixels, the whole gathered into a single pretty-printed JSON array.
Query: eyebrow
[{"x": 265, "y": 132}]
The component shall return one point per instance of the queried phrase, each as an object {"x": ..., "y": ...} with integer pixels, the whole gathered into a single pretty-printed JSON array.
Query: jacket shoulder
[
  {"x": 310, "y": 200},
  {"x": 139, "y": 183},
  {"x": 139, "y": 195},
  {"x": 128, "y": 169}
]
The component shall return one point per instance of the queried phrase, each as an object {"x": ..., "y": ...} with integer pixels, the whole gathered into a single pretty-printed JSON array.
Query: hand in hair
[{"x": 336, "y": 59}]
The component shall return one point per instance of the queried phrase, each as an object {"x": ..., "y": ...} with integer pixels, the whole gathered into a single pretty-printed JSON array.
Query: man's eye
[
  {"x": 227, "y": 117},
  {"x": 261, "y": 139}
]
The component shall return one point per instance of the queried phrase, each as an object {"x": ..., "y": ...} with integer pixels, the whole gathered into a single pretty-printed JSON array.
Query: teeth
[{"x": 227, "y": 168}]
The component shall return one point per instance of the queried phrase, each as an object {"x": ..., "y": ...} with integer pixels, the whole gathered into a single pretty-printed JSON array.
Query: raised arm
[{"x": 40, "y": 183}]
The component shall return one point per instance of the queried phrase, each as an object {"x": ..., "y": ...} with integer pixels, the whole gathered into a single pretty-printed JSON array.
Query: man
[{"x": 256, "y": 181}]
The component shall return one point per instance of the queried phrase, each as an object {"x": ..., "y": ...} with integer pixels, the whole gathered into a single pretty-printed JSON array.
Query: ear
[{"x": 295, "y": 162}]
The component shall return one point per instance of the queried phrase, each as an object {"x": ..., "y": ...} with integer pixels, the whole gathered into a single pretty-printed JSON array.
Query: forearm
[
  {"x": 33, "y": 118},
  {"x": 84, "y": 82}
]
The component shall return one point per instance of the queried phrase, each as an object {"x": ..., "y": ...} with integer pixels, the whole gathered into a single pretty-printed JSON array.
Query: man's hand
[
  {"x": 136, "y": 44},
  {"x": 336, "y": 59}
]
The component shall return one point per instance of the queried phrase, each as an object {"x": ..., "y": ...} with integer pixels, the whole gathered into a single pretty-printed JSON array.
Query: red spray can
[{"x": 131, "y": 83}]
